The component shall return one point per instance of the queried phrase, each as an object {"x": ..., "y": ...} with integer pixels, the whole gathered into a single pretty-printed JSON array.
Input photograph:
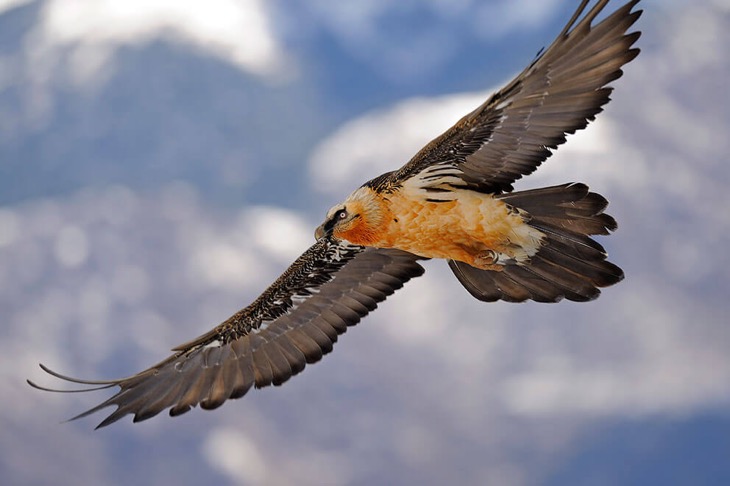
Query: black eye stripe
[{"x": 330, "y": 223}]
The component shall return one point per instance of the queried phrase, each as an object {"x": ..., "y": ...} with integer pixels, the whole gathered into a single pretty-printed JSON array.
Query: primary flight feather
[{"x": 453, "y": 200}]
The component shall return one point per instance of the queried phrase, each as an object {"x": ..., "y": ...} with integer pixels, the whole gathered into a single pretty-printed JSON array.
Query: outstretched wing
[
  {"x": 513, "y": 132},
  {"x": 294, "y": 322}
]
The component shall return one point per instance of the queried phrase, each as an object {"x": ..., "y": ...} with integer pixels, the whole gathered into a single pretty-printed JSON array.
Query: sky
[{"x": 162, "y": 162}]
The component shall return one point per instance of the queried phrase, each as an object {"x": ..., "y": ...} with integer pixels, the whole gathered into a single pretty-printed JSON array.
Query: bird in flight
[{"x": 453, "y": 200}]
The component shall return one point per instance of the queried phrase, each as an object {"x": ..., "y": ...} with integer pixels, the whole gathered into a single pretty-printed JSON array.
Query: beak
[{"x": 319, "y": 232}]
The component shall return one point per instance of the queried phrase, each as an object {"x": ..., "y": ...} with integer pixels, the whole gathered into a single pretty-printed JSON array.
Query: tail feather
[
  {"x": 569, "y": 264},
  {"x": 569, "y": 207}
]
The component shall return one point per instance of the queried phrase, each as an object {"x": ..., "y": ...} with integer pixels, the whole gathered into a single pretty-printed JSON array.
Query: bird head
[{"x": 358, "y": 219}]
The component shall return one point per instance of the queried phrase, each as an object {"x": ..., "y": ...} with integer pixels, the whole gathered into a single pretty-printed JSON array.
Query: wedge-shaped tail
[{"x": 569, "y": 264}]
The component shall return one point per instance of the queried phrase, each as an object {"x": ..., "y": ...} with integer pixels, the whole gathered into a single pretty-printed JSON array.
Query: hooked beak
[{"x": 319, "y": 232}]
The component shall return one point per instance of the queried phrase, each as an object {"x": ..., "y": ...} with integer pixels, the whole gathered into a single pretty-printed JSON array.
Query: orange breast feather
[{"x": 463, "y": 228}]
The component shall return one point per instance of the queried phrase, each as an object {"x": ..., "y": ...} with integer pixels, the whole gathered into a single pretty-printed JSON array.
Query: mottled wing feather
[
  {"x": 513, "y": 132},
  {"x": 294, "y": 322}
]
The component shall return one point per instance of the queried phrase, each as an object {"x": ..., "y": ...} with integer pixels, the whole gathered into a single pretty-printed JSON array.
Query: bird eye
[{"x": 341, "y": 214}]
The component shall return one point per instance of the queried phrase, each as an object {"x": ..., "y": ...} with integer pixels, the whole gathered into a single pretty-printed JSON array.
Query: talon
[{"x": 486, "y": 259}]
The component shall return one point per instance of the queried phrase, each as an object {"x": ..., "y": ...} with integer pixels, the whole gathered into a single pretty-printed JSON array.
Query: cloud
[
  {"x": 238, "y": 32},
  {"x": 237, "y": 455},
  {"x": 364, "y": 28},
  {"x": 495, "y": 19},
  {"x": 360, "y": 22},
  {"x": 382, "y": 140},
  {"x": 271, "y": 460},
  {"x": 10, "y": 4}
]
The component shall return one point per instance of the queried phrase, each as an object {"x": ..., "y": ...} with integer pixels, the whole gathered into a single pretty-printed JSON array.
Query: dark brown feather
[
  {"x": 294, "y": 322},
  {"x": 280, "y": 368},
  {"x": 226, "y": 381},
  {"x": 307, "y": 345},
  {"x": 262, "y": 373},
  {"x": 297, "y": 360}
]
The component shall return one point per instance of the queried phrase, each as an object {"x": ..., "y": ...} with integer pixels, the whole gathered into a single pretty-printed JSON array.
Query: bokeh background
[{"x": 162, "y": 161}]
